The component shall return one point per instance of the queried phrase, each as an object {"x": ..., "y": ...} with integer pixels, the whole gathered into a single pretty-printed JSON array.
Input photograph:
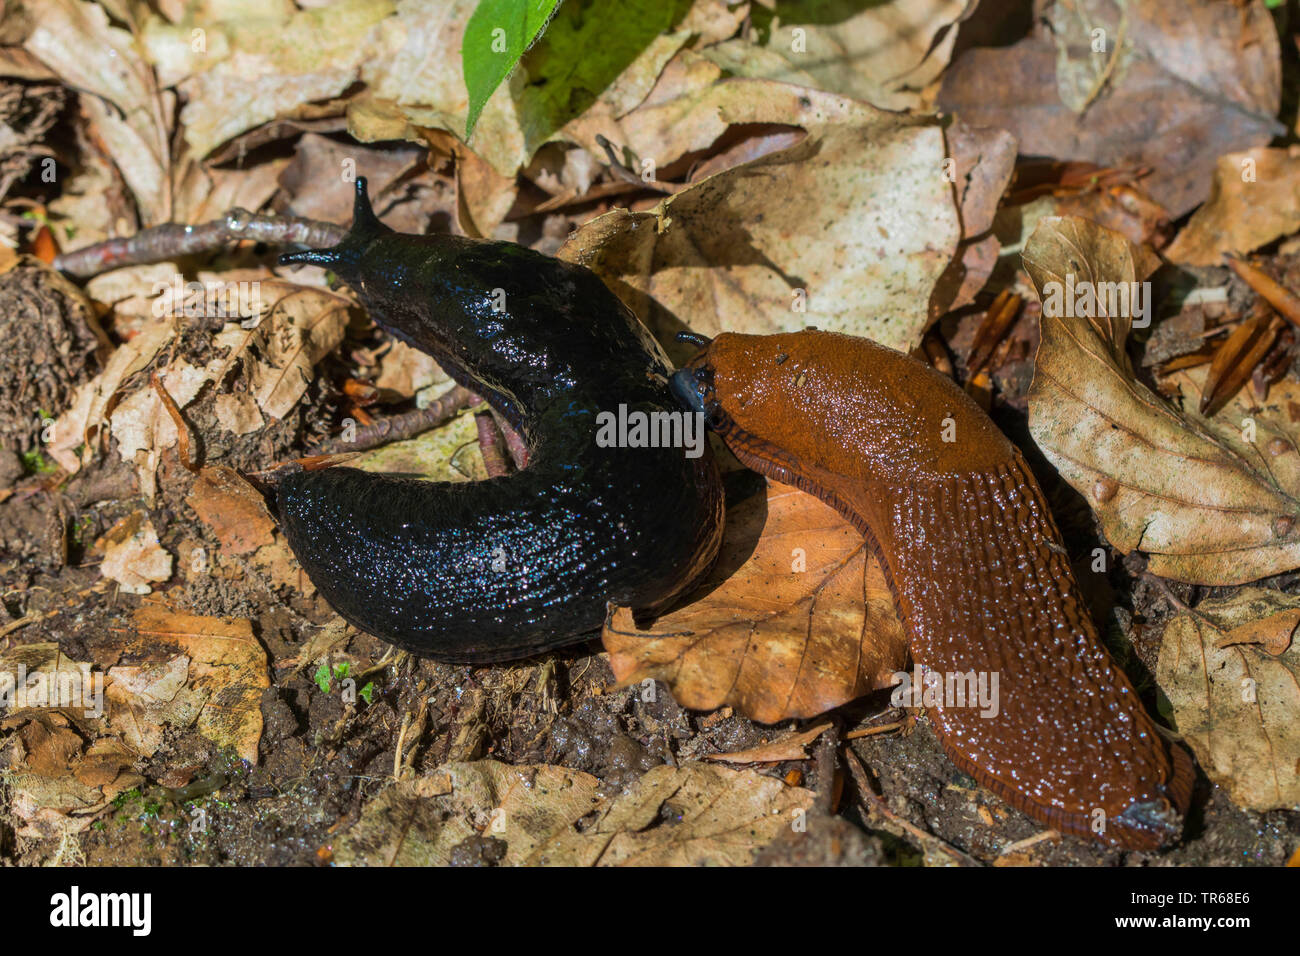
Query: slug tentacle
[
  {"x": 974, "y": 559},
  {"x": 503, "y": 568}
]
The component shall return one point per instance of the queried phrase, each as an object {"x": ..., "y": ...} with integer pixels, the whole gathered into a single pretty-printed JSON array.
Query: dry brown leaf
[
  {"x": 91, "y": 404},
  {"x": 130, "y": 292},
  {"x": 1210, "y": 501},
  {"x": 55, "y": 805},
  {"x": 132, "y": 555},
  {"x": 58, "y": 782},
  {"x": 790, "y": 747},
  {"x": 483, "y": 195},
  {"x": 76, "y": 41},
  {"x": 719, "y": 816},
  {"x": 142, "y": 425},
  {"x": 982, "y": 161},
  {"x": 145, "y": 700},
  {"x": 1273, "y": 633},
  {"x": 304, "y": 325},
  {"x": 422, "y": 822},
  {"x": 232, "y": 508},
  {"x": 1237, "y": 705},
  {"x": 740, "y": 250},
  {"x": 404, "y": 370},
  {"x": 795, "y": 619},
  {"x": 237, "y": 412},
  {"x": 275, "y": 359},
  {"x": 1189, "y": 82},
  {"x": 1254, "y": 200},
  {"x": 882, "y": 53},
  {"x": 255, "y": 68},
  {"x": 208, "y": 672}
]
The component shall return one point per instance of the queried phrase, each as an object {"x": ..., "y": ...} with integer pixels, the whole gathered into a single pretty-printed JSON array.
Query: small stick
[
  {"x": 875, "y": 806},
  {"x": 1021, "y": 845},
  {"x": 1274, "y": 293},
  {"x": 621, "y": 171},
  {"x": 489, "y": 443},
  {"x": 1166, "y": 592},
  {"x": 997, "y": 322},
  {"x": 514, "y": 442},
  {"x": 400, "y": 427},
  {"x": 879, "y": 729},
  {"x": 169, "y": 240},
  {"x": 826, "y": 765},
  {"x": 182, "y": 429}
]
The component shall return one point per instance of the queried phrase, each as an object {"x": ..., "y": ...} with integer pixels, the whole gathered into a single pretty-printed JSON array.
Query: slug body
[
  {"x": 504, "y": 568},
  {"x": 976, "y": 564}
]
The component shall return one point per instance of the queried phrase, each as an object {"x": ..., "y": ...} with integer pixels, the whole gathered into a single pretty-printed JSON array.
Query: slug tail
[{"x": 986, "y": 589}]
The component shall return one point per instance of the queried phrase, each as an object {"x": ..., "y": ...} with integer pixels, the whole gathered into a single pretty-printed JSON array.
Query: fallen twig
[
  {"x": 170, "y": 240},
  {"x": 1274, "y": 293},
  {"x": 875, "y": 806},
  {"x": 490, "y": 444},
  {"x": 401, "y": 427}
]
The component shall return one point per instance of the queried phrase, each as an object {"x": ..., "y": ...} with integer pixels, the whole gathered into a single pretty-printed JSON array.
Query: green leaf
[
  {"x": 498, "y": 33},
  {"x": 586, "y": 48},
  {"x": 322, "y": 677},
  {"x": 368, "y": 692}
]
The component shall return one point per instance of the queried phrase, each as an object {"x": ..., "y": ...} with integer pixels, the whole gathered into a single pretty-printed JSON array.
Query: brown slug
[{"x": 973, "y": 557}]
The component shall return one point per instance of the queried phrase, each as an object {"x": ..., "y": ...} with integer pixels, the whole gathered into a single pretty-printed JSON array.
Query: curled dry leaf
[
  {"x": 1236, "y": 704},
  {"x": 720, "y": 817},
  {"x": 1252, "y": 202},
  {"x": 740, "y": 250},
  {"x": 1236, "y": 359},
  {"x": 795, "y": 619},
  {"x": 204, "y": 671},
  {"x": 76, "y": 41},
  {"x": 274, "y": 361},
  {"x": 76, "y": 430},
  {"x": 1208, "y": 500},
  {"x": 982, "y": 161},
  {"x": 303, "y": 326}
]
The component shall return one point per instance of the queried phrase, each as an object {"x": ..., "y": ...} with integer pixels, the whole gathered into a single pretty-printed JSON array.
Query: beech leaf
[
  {"x": 795, "y": 619},
  {"x": 1234, "y": 702},
  {"x": 1208, "y": 500}
]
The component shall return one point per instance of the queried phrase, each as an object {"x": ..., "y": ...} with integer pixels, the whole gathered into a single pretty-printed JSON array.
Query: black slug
[{"x": 504, "y": 568}]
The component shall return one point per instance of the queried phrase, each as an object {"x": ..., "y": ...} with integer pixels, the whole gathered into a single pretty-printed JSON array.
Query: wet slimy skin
[
  {"x": 511, "y": 566},
  {"x": 974, "y": 559}
]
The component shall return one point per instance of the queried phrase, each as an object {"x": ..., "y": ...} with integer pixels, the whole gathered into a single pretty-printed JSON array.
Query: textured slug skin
[
  {"x": 504, "y": 568},
  {"x": 975, "y": 561}
]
